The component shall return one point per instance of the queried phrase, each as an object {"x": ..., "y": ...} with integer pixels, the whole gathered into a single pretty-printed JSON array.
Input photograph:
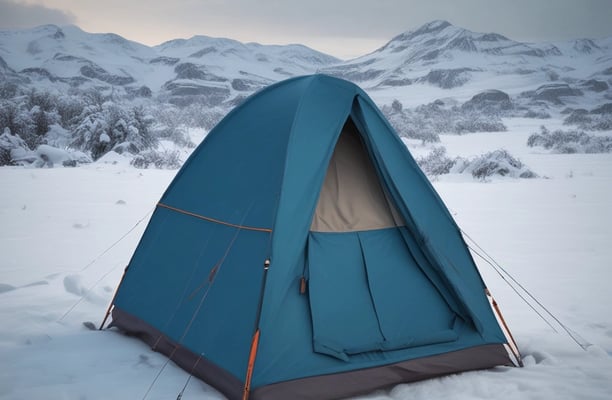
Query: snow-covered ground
[{"x": 553, "y": 234}]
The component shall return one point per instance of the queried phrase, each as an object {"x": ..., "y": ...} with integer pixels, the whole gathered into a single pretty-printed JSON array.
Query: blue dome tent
[{"x": 300, "y": 253}]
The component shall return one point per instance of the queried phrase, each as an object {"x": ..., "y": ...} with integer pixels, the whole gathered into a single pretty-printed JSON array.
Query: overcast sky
[{"x": 343, "y": 28}]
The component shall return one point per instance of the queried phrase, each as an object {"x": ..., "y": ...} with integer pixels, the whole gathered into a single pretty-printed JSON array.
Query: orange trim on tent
[
  {"x": 216, "y": 221},
  {"x": 249, "y": 374},
  {"x": 511, "y": 343}
]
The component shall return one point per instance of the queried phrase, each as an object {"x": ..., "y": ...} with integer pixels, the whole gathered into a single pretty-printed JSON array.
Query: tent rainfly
[{"x": 300, "y": 253}]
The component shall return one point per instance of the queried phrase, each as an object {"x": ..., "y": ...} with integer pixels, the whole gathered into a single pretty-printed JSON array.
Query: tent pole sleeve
[
  {"x": 249, "y": 374},
  {"x": 255, "y": 341},
  {"x": 110, "y": 306},
  {"x": 513, "y": 346}
]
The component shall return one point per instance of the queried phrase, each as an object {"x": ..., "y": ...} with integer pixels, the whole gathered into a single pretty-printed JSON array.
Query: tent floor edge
[
  {"x": 364, "y": 381},
  {"x": 198, "y": 365}
]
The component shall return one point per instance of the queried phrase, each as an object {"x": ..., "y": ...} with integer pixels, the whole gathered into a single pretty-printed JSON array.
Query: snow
[
  {"x": 104, "y": 138},
  {"x": 61, "y": 259},
  {"x": 58, "y": 136}
]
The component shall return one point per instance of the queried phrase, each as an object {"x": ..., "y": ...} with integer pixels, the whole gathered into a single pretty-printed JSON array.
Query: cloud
[
  {"x": 286, "y": 20},
  {"x": 340, "y": 27},
  {"x": 17, "y": 14}
]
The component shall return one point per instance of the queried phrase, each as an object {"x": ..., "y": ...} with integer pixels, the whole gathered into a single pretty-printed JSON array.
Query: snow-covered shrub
[
  {"x": 497, "y": 162},
  {"x": 197, "y": 116},
  {"x": 58, "y": 136},
  {"x": 42, "y": 114},
  {"x": 5, "y": 156},
  {"x": 448, "y": 78},
  {"x": 427, "y": 121},
  {"x": 557, "y": 138},
  {"x": 567, "y": 148},
  {"x": 435, "y": 117},
  {"x": 96, "y": 122},
  {"x": 598, "y": 119},
  {"x": 478, "y": 123},
  {"x": 125, "y": 147},
  {"x": 169, "y": 124},
  {"x": 69, "y": 108},
  {"x": 8, "y": 90},
  {"x": 49, "y": 156},
  {"x": 436, "y": 162},
  {"x": 34, "y": 114},
  {"x": 598, "y": 144},
  {"x": 571, "y": 141},
  {"x": 16, "y": 117},
  {"x": 407, "y": 124},
  {"x": 165, "y": 159},
  {"x": 536, "y": 114},
  {"x": 600, "y": 123},
  {"x": 12, "y": 148},
  {"x": 396, "y": 106},
  {"x": 577, "y": 117}
]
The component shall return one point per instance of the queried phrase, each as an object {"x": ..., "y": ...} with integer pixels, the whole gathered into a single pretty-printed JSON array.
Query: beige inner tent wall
[{"x": 352, "y": 197}]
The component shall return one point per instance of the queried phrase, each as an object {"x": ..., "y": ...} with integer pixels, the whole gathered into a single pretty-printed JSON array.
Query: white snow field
[{"x": 552, "y": 233}]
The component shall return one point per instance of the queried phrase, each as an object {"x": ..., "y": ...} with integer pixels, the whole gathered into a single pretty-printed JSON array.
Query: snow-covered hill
[
  {"x": 64, "y": 57},
  {"x": 440, "y": 46},
  {"x": 424, "y": 63},
  {"x": 438, "y": 56}
]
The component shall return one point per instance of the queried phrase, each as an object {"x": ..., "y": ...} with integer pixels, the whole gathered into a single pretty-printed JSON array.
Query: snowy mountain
[
  {"x": 218, "y": 69},
  {"x": 215, "y": 71},
  {"x": 441, "y": 55},
  {"x": 69, "y": 55},
  {"x": 221, "y": 69}
]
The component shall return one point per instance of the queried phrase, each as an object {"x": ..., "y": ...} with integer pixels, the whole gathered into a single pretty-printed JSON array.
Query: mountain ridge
[
  {"x": 412, "y": 56},
  {"x": 219, "y": 70}
]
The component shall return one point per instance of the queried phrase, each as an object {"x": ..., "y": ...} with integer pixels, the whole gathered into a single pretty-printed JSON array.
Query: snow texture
[
  {"x": 60, "y": 261},
  {"x": 552, "y": 234}
]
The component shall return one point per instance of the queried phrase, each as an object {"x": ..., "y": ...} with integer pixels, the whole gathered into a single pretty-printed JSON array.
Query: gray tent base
[
  {"x": 194, "y": 364},
  {"x": 323, "y": 387},
  {"x": 363, "y": 381}
]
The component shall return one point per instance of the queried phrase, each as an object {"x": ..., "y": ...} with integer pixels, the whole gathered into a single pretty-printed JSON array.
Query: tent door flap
[{"x": 366, "y": 293}]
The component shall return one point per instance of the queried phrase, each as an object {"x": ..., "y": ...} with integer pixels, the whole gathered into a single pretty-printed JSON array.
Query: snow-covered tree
[
  {"x": 90, "y": 133},
  {"x": 69, "y": 108},
  {"x": 141, "y": 134},
  {"x": 8, "y": 90}
]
